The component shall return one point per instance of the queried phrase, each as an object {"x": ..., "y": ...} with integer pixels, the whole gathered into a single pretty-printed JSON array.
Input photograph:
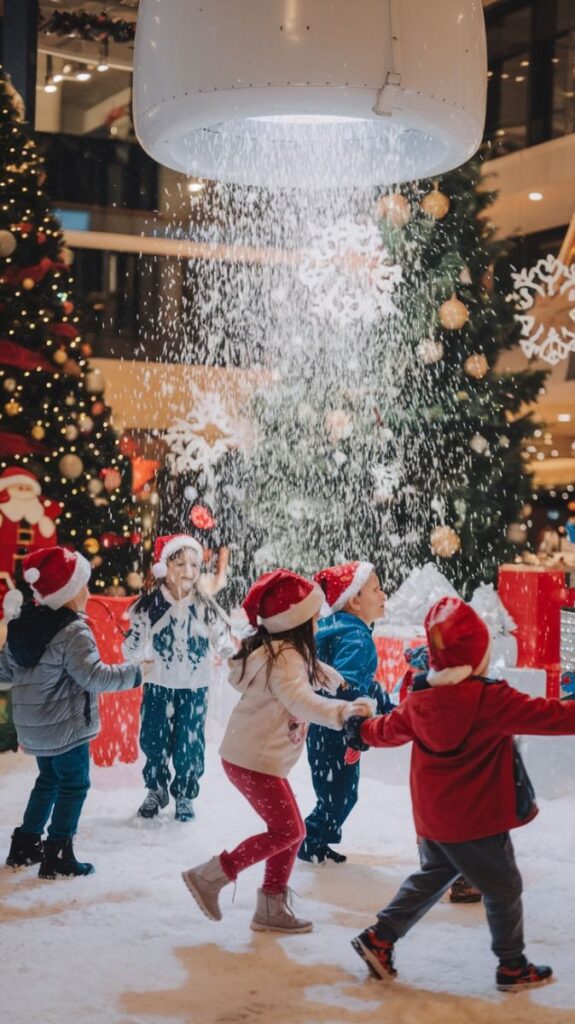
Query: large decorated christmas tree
[
  {"x": 57, "y": 440},
  {"x": 387, "y": 431}
]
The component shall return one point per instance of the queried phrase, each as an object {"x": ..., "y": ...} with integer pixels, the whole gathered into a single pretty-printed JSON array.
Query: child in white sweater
[{"x": 277, "y": 673}]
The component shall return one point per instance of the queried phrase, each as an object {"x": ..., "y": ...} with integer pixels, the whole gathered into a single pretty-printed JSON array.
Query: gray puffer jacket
[{"x": 52, "y": 663}]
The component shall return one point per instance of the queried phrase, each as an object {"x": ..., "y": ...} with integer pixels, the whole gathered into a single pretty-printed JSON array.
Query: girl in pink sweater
[{"x": 277, "y": 672}]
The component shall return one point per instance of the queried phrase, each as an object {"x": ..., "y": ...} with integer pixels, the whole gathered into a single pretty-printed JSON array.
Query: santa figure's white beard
[{"x": 30, "y": 509}]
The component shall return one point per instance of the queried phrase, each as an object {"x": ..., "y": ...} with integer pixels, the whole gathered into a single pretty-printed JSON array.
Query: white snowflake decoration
[
  {"x": 198, "y": 442},
  {"x": 349, "y": 273},
  {"x": 544, "y": 293}
]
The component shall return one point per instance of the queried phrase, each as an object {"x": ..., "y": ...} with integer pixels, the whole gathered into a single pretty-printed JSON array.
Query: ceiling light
[
  {"x": 82, "y": 76},
  {"x": 50, "y": 86},
  {"x": 57, "y": 77},
  {"x": 519, "y": 78},
  {"x": 536, "y": 196},
  {"x": 195, "y": 186},
  {"x": 505, "y": 75},
  {"x": 564, "y": 417},
  {"x": 523, "y": 63},
  {"x": 324, "y": 99}
]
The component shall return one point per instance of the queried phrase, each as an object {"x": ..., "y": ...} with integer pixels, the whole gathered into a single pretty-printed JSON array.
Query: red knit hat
[
  {"x": 342, "y": 582},
  {"x": 456, "y": 635},
  {"x": 167, "y": 546},
  {"x": 56, "y": 575},
  {"x": 282, "y": 600}
]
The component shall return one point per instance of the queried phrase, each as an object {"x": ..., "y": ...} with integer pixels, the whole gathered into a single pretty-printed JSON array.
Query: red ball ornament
[
  {"x": 201, "y": 518},
  {"x": 68, "y": 307},
  {"x": 98, "y": 408},
  {"x": 41, "y": 237}
]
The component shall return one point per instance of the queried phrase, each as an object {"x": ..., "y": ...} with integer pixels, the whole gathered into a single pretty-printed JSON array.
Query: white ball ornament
[
  {"x": 430, "y": 351},
  {"x": 134, "y": 580},
  {"x": 479, "y": 444},
  {"x": 94, "y": 486},
  {"x": 86, "y": 424},
  {"x": 70, "y": 432},
  {"x": 71, "y": 466}
]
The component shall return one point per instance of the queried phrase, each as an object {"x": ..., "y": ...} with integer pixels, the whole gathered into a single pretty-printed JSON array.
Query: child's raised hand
[{"x": 146, "y": 668}]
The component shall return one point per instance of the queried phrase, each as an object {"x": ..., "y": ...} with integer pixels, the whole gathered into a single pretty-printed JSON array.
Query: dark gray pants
[{"x": 489, "y": 864}]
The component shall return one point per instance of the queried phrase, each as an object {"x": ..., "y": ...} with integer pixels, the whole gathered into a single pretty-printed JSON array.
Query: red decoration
[
  {"x": 68, "y": 307},
  {"x": 533, "y": 596},
  {"x": 64, "y": 330},
  {"x": 16, "y": 444},
  {"x": 12, "y": 354},
  {"x": 201, "y": 518},
  {"x": 128, "y": 445},
  {"x": 98, "y": 408},
  {"x": 24, "y": 227},
  {"x": 14, "y": 275},
  {"x": 119, "y": 712},
  {"x": 113, "y": 540},
  {"x": 41, "y": 237},
  {"x": 143, "y": 470}
]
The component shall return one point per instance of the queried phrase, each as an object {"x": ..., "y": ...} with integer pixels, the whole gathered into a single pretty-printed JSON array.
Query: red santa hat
[
  {"x": 342, "y": 582},
  {"x": 282, "y": 600},
  {"x": 167, "y": 546},
  {"x": 55, "y": 575},
  {"x": 456, "y": 635},
  {"x": 13, "y": 475}
]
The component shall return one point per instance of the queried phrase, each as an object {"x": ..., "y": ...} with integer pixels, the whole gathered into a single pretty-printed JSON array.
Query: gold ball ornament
[
  {"x": 453, "y": 314},
  {"x": 444, "y": 541},
  {"x": 134, "y": 580},
  {"x": 10, "y": 384},
  {"x": 72, "y": 369},
  {"x": 94, "y": 486},
  {"x": 71, "y": 432},
  {"x": 12, "y": 408},
  {"x": 112, "y": 479},
  {"x": 395, "y": 209},
  {"x": 476, "y": 365},
  {"x": 28, "y": 284},
  {"x": 95, "y": 382},
  {"x": 7, "y": 243},
  {"x": 91, "y": 545},
  {"x": 60, "y": 356},
  {"x": 435, "y": 204},
  {"x": 516, "y": 533},
  {"x": 71, "y": 466},
  {"x": 38, "y": 432},
  {"x": 85, "y": 424},
  {"x": 430, "y": 351}
]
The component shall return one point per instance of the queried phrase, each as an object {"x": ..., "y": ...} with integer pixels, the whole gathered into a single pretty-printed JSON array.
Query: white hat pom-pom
[
  {"x": 31, "y": 575},
  {"x": 159, "y": 570}
]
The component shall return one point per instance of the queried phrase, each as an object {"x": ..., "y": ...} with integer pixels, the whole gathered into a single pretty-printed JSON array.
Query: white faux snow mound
[{"x": 129, "y": 946}]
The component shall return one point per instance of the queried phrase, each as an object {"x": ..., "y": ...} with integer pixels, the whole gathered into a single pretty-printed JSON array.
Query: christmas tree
[
  {"x": 54, "y": 421},
  {"x": 386, "y": 431}
]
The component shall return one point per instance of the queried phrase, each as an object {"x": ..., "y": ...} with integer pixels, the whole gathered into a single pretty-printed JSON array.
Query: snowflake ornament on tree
[
  {"x": 349, "y": 273},
  {"x": 198, "y": 442},
  {"x": 545, "y": 298}
]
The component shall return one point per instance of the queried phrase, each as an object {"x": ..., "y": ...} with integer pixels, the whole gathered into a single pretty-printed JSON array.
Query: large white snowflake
[
  {"x": 545, "y": 298},
  {"x": 199, "y": 441},
  {"x": 349, "y": 273}
]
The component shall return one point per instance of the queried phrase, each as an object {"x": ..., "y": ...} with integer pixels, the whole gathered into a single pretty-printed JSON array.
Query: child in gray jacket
[{"x": 52, "y": 662}]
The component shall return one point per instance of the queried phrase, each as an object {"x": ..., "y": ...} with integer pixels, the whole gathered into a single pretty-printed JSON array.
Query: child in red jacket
[{"x": 468, "y": 788}]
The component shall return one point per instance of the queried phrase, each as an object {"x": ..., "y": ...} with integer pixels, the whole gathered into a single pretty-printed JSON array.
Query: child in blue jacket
[{"x": 344, "y": 641}]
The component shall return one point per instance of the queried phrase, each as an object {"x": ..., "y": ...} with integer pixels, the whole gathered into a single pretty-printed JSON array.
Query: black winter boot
[
  {"x": 58, "y": 860},
  {"x": 25, "y": 849}
]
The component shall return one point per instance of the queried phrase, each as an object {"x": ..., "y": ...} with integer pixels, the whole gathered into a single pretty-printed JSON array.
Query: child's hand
[
  {"x": 363, "y": 707},
  {"x": 146, "y": 669}
]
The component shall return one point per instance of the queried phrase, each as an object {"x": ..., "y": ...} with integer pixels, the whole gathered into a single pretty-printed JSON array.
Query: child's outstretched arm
[
  {"x": 290, "y": 685},
  {"x": 136, "y": 645},
  {"x": 392, "y": 730},
  {"x": 353, "y": 658},
  {"x": 219, "y": 632},
  {"x": 83, "y": 664}
]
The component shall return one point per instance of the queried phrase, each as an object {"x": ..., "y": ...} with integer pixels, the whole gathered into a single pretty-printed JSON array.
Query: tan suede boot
[
  {"x": 274, "y": 914},
  {"x": 205, "y": 883}
]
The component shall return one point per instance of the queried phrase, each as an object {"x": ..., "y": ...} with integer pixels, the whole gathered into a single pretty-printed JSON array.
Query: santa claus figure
[{"x": 26, "y": 520}]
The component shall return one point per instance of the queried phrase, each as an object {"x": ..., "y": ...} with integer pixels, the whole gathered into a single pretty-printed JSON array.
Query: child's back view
[{"x": 52, "y": 662}]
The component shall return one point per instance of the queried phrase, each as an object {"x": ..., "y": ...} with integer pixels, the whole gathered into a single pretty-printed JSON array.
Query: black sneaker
[
  {"x": 319, "y": 855},
  {"x": 377, "y": 954},
  {"x": 333, "y": 855},
  {"x": 513, "y": 979},
  {"x": 463, "y": 892}
]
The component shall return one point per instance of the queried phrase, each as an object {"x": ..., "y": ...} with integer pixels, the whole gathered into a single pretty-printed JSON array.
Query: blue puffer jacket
[
  {"x": 52, "y": 663},
  {"x": 346, "y": 643}
]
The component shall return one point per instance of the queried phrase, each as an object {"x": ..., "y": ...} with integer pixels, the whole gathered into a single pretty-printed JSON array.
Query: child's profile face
[
  {"x": 182, "y": 572},
  {"x": 369, "y": 604}
]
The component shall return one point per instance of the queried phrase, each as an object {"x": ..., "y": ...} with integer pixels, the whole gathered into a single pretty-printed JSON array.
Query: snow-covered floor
[{"x": 129, "y": 946}]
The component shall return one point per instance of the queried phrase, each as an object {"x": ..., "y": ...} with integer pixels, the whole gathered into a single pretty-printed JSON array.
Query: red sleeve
[
  {"x": 515, "y": 712},
  {"x": 390, "y": 730}
]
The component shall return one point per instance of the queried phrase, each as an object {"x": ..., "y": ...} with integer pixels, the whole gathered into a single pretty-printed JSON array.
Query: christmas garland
[{"x": 97, "y": 28}]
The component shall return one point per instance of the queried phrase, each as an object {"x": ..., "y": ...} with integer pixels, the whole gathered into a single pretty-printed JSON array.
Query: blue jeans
[
  {"x": 335, "y": 784},
  {"x": 489, "y": 864},
  {"x": 172, "y": 729},
  {"x": 59, "y": 792}
]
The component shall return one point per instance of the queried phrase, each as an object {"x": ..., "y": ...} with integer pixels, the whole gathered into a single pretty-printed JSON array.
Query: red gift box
[
  {"x": 392, "y": 664},
  {"x": 119, "y": 712}
]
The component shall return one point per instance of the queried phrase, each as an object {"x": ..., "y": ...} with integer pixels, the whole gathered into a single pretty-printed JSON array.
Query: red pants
[{"x": 273, "y": 799}]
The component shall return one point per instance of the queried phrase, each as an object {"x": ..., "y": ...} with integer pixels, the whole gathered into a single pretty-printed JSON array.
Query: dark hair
[{"x": 301, "y": 638}]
